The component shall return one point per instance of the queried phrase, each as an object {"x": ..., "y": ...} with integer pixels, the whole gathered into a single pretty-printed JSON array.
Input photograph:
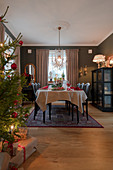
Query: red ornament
[
  {"x": 14, "y": 114},
  {"x": 26, "y": 115},
  {"x": 9, "y": 76},
  {"x": 0, "y": 19},
  {"x": 17, "y": 94},
  {"x": 14, "y": 66},
  {"x": 28, "y": 75},
  {"x": 20, "y": 42},
  {"x": 25, "y": 74},
  {"x": 15, "y": 102}
]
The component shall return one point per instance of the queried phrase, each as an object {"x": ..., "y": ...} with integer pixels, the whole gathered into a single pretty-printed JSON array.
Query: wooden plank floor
[{"x": 74, "y": 148}]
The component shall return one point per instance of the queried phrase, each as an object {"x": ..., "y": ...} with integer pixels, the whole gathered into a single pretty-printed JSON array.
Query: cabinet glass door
[
  {"x": 94, "y": 92},
  {"x": 99, "y": 88},
  {"x": 99, "y": 101},
  {"x": 107, "y": 101},
  {"x": 99, "y": 75},
  {"x": 108, "y": 88},
  {"x": 107, "y": 75},
  {"x": 94, "y": 76}
]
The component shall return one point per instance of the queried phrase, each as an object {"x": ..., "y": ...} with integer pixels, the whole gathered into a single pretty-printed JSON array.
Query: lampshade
[
  {"x": 110, "y": 59},
  {"x": 99, "y": 58}
]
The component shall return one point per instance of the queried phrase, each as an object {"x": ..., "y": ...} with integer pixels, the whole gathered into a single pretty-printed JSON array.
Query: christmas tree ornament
[
  {"x": 20, "y": 42},
  {"x": 26, "y": 115},
  {"x": 14, "y": 114},
  {"x": 15, "y": 102},
  {"x": 14, "y": 66}
]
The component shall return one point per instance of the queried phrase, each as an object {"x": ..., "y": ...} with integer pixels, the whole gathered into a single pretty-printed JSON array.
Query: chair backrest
[
  {"x": 84, "y": 87},
  {"x": 81, "y": 85},
  {"x": 87, "y": 88},
  {"x": 78, "y": 85},
  {"x": 38, "y": 86},
  {"x": 33, "y": 85}
]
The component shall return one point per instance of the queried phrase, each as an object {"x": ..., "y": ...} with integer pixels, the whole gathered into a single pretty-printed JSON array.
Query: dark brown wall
[
  {"x": 86, "y": 59},
  {"x": 106, "y": 47},
  {"x": 26, "y": 58}
]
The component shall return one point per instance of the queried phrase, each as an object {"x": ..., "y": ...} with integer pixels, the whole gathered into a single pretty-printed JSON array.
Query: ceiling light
[{"x": 58, "y": 60}]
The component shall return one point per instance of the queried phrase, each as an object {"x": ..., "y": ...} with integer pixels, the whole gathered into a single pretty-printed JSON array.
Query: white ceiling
[{"x": 88, "y": 22}]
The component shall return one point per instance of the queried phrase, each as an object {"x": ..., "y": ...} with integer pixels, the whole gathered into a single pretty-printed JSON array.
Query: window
[{"x": 53, "y": 70}]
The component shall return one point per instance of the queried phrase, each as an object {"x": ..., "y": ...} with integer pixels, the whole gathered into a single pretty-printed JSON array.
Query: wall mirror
[{"x": 30, "y": 69}]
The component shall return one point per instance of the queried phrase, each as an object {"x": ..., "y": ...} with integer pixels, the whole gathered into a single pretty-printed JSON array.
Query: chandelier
[{"x": 58, "y": 58}]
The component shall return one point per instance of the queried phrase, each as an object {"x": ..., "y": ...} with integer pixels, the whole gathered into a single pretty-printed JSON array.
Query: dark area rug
[{"x": 60, "y": 118}]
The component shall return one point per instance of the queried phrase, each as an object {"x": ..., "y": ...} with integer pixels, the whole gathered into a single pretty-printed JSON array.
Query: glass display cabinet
[{"x": 102, "y": 88}]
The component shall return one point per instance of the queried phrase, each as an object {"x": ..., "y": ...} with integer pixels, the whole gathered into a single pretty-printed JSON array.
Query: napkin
[
  {"x": 68, "y": 89},
  {"x": 72, "y": 88},
  {"x": 45, "y": 87},
  {"x": 68, "y": 84},
  {"x": 75, "y": 88}
]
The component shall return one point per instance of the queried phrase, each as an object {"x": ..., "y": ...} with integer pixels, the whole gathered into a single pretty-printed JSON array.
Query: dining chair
[
  {"x": 86, "y": 89},
  {"x": 36, "y": 86}
]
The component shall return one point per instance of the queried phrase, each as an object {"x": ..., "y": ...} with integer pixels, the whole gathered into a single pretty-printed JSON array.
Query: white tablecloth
[{"x": 44, "y": 97}]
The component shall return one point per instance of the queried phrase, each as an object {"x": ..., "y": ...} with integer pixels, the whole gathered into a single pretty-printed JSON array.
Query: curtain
[
  {"x": 72, "y": 66},
  {"x": 17, "y": 59},
  {"x": 42, "y": 56},
  {"x": 2, "y": 33}
]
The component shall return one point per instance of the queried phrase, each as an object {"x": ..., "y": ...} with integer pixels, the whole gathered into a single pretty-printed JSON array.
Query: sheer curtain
[
  {"x": 2, "y": 33},
  {"x": 72, "y": 66},
  {"x": 42, "y": 56}
]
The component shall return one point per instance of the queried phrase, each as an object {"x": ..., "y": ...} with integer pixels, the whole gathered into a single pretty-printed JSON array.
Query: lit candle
[
  {"x": 1, "y": 44},
  {"x": 12, "y": 127}
]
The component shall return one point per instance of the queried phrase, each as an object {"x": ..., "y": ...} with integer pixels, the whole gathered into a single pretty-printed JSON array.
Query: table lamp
[{"x": 99, "y": 59}]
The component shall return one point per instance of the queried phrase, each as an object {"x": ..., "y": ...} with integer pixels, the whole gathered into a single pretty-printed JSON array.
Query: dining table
[{"x": 47, "y": 96}]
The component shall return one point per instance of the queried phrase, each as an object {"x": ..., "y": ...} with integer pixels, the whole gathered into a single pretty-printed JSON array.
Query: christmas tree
[{"x": 12, "y": 114}]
